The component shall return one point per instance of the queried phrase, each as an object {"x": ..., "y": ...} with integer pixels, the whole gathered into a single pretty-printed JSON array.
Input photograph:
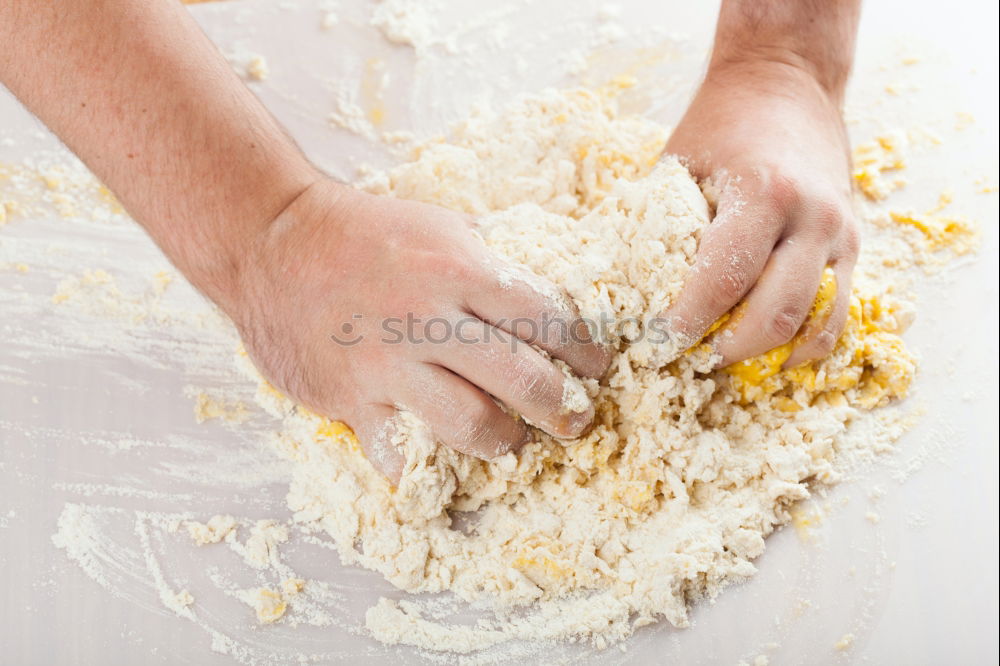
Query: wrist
[
  {"x": 814, "y": 38},
  {"x": 282, "y": 250},
  {"x": 776, "y": 73},
  {"x": 779, "y": 66},
  {"x": 219, "y": 261}
]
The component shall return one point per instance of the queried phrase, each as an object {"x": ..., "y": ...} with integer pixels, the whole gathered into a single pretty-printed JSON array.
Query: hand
[
  {"x": 197, "y": 160},
  {"x": 325, "y": 297},
  {"x": 768, "y": 139}
]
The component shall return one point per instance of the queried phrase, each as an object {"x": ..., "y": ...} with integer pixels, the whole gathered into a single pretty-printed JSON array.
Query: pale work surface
[{"x": 96, "y": 408}]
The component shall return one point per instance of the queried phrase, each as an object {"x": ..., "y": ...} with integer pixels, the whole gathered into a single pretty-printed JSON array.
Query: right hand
[{"x": 339, "y": 268}]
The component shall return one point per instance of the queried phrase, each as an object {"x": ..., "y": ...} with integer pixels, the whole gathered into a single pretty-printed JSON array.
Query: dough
[{"x": 671, "y": 494}]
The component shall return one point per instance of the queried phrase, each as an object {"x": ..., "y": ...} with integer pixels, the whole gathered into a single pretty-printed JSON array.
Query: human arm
[
  {"x": 136, "y": 90},
  {"x": 765, "y": 130}
]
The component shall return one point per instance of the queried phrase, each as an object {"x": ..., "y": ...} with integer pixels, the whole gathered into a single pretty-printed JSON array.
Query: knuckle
[
  {"x": 455, "y": 269},
  {"x": 598, "y": 361},
  {"x": 728, "y": 286},
  {"x": 781, "y": 189},
  {"x": 824, "y": 343},
  {"x": 381, "y": 452},
  {"x": 783, "y": 325},
  {"x": 556, "y": 333},
  {"x": 826, "y": 214},
  {"x": 852, "y": 239},
  {"x": 829, "y": 216},
  {"x": 475, "y": 424},
  {"x": 535, "y": 388}
]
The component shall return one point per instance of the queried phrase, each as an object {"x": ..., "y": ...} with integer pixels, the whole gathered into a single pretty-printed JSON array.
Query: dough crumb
[
  {"x": 873, "y": 160},
  {"x": 261, "y": 547},
  {"x": 215, "y": 530},
  {"x": 292, "y": 586},
  {"x": 845, "y": 643},
  {"x": 269, "y": 605},
  {"x": 207, "y": 408},
  {"x": 329, "y": 20},
  {"x": 686, "y": 470},
  {"x": 257, "y": 68}
]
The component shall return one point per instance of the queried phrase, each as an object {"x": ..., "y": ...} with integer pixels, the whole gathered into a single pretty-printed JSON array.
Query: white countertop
[{"x": 93, "y": 406}]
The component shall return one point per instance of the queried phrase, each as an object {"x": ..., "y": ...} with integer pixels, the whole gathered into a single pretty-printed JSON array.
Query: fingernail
[
  {"x": 529, "y": 437},
  {"x": 575, "y": 424},
  {"x": 584, "y": 423}
]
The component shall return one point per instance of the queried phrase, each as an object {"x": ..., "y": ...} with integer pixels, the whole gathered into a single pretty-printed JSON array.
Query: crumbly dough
[
  {"x": 877, "y": 165},
  {"x": 215, "y": 530},
  {"x": 845, "y": 643},
  {"x": 270, "y": 604},
  {"x": 207, "y": 408},
  {"x": 671, "y": 494},
  {"x": 6, "y": 210},
  {"x": 261, "y": 547}
]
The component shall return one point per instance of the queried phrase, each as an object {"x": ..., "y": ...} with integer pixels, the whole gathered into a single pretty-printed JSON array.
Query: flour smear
[
  {"x": 663, "y": 504},
  {"x": 670, "y": 496}
]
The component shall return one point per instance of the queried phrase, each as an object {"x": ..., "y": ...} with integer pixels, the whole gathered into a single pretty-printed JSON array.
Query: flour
[
  {"x": 406, "y": 22},
  {"x": 270, "y": 605},
  {"x": 669, "y": 497},
  {"x": 215, "y": 530},
  {"x": 878, "y": 163},
  {"x": 574, "y": 398},
  {"x": 349, "y": 115},
  {"x": 207, "y": 408},
  {"x": 845, "y": 643},
  {"x": 415, "y": 23},
  {"x": 124, "y": 552},
  {"x": 666, "y": 501},
  {"x": 257, "y": 68},
  {"x": 119, "y": 314}
]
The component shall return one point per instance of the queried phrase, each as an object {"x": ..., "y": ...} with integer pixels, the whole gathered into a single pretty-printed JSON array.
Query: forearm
[
  {"x": 813, "y": 35},
  {"x": 136, "y": 90}
]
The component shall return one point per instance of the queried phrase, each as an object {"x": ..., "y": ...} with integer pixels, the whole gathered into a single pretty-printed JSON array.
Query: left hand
[{"x": 769, "y": 138}]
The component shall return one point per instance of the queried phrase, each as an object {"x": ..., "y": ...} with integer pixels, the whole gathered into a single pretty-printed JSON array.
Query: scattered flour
[
  {"x": 670, "y": 496},
  {"x": 845, "y": 643},
  {"x": 410, "y": 23},
  {"x": 878, "y": 163},
  {"x": 270, "y": 605},
  {"x": 666, "y": 501},
  {"x": 261, "y": 547},
  {"x": 215, "y": 530},
  {"x": 574, "y": 397},
  {"x": 207, "y": 408},
  {"x": 257, "y": 68}
]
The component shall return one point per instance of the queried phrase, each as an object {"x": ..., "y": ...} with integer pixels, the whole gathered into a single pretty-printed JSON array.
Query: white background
[{"x": 918, "y": 587}]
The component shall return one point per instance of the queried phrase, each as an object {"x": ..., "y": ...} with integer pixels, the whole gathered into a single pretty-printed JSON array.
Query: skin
[
  {"x": 139, "y": 93},
  {"x": 337, "y": 250},
  {"x": 765, "y": 129},
  {"x": 136, "y": 90}
]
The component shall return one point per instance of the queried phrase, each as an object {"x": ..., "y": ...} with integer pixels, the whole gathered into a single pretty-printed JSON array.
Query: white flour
[
  {"x": 670, "y": 496},
  {"x": 127, "y": 520}
]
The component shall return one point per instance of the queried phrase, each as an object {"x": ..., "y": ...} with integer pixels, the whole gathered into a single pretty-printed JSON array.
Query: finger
[
  {"x": 731, "y": 255},
  {"x": 519, "y": 376},
  {"x": 820, "y": 337},
  {"x": 377, "y": 431},
  {"x": 533, "y": 309},
  {"x": 778, "y": 304},
  {"x": 461, "y": 415}
]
